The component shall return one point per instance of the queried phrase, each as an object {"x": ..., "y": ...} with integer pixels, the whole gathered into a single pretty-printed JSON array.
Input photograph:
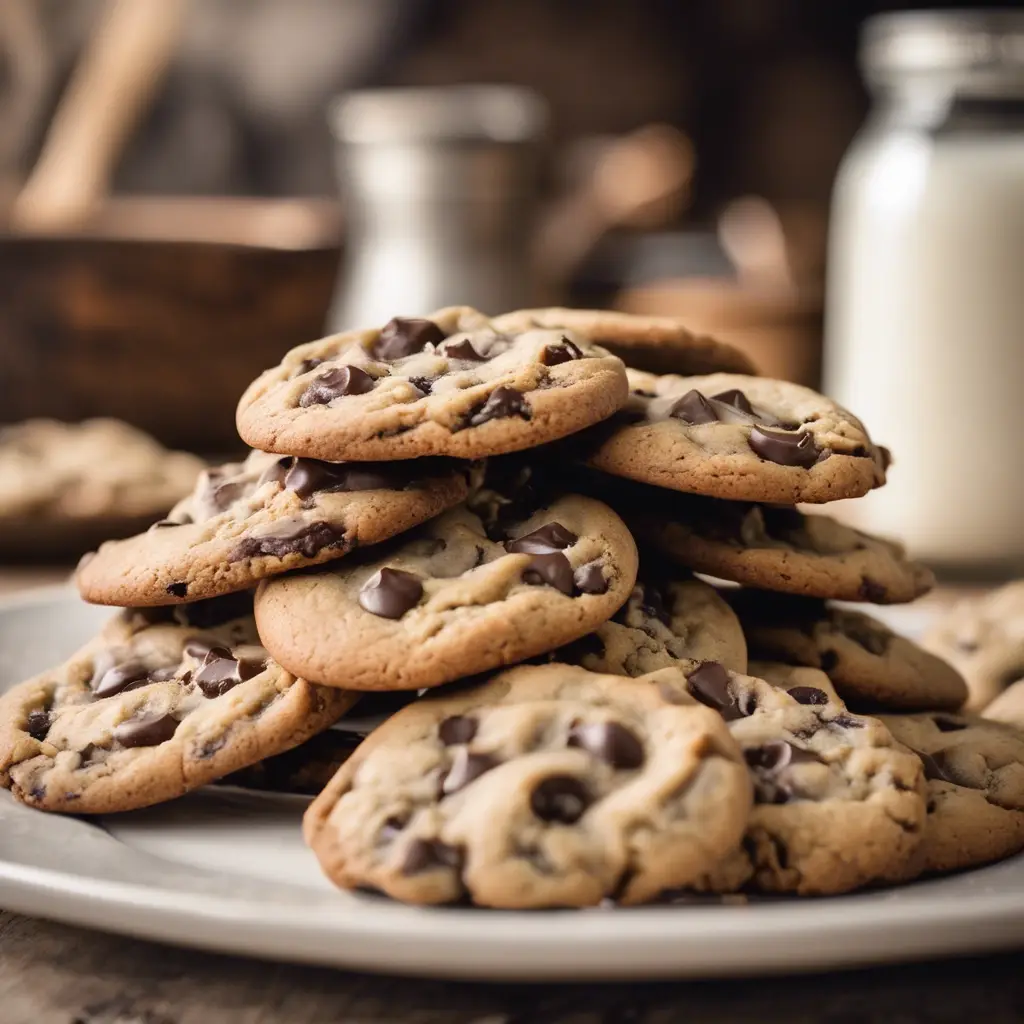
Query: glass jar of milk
[{"x": 925, "y": 311}]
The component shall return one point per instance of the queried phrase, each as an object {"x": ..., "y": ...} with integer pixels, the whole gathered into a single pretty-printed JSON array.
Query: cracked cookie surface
[
  {"x": 464, "y": 593},
  {"x": 546, "y": 786},
  {"x": 975, "y": 790},
  {"x": 456, "y": 383},
  {"x": 871, "y": 667},
  {"x": 777, "y": 547},
  {"x": 665, "y": 623},
  {"x": 738, "y": 437},
  {"x": 161, "y": 702},
  {"x": 246, "y": 521},
  {"x": 837, "y": 804}
]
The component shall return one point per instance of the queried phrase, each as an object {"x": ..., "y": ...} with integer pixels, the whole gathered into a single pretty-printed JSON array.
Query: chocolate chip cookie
[
  {"x": 161, "y": 702},
  {"x": 777, "y": 547},
  {"x": 738, "y": 437},
  {"x": 665, "y": 623},
  {"x": 455, "y": 383},
  {"x": 467, "y": 592},
  {"x": 547, "y": 786},
  {"x": 837, "y": 805},
  {"x": 246, "y": 521},
  {"x": 658, "y": 344},
  {"x": 975, "y": 790},
  {"x": 871, "y": 666},
  {"x": 984, "y": 638}
]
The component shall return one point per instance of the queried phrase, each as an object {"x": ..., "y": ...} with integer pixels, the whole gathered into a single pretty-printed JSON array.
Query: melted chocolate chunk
[
  {"x": 462, "y": 350},
  {"x": 457, "y": 729},
  {"x": 390, "y": 593},
  {"x": 610, "y": 742},
  {"x": 503, "y": 403},
  {"x": 590, "y": 579},
  {"x": 108, "y": 681},
  {"x": 783, "y": 448},
  {"x": 311, "y": 476},
  {"x": 425, "y": 855},
  {"x": 709, "y": 683},
  {"x": 177, "y": 589},
  {"x": 550, "y": 537},
  {"x": 38, "y": 724},
  {"x": 809, "y": 695},
  {"x": 563, "y": 352},
  {"x": 466, "y": 768},
  {"x": 293, "y": 536},
  {"x": 404, "y": 336},
  {"x": 146, "y": 732},
  {"x": 424, "y": 384},
  {"x": 553, "y": 569},
  {"x": 338, "y": 382},
  {"x": 222, "y": 671},
  {"x": 561, "y": 798},
  {"x": 871, "y": 591},
  {"x": 652, "y": 603},
  {"x": 693, "y": 408}
]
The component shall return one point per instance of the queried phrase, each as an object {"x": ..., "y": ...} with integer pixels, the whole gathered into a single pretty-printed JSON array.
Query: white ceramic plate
[{"x": 226, "y": 870}]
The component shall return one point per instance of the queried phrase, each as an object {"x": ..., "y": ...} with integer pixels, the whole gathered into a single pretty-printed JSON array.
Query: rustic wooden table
[{"x": 54, "y": 974}]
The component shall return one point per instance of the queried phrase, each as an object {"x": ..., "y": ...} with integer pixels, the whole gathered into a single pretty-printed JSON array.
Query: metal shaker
[{"x": 438, "y": 187}]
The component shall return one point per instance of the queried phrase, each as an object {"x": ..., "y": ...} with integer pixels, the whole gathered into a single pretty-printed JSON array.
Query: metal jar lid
[{"x": 982, "y": 47}]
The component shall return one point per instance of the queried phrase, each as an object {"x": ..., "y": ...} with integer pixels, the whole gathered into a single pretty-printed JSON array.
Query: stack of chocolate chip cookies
[{"x": 478, "y": 538}]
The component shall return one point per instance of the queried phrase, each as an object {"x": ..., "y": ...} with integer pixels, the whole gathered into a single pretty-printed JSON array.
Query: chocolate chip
[
  {"x": 311, "y": 476},
  {"x": 871, "y": 591},
  {"x": 709, "y": 683},
  {"x": 425, "y": 855},
  {"x": 424, "y": 384},
  {"x": 38, "y": 724},
  {"x": 390, "y": 593},
  {"x": 828, "y": 660},
  {"x": 222, "y": 671},
  {"x": 177, "y": 589},
  {"x": 560, "y": 798},
  {"x": 293, "y": 536},
  {"x": 846, "y": 722},
  {"x": 693, "y": 408},
  {"x": 809, "y": 695},
  {"x": 466, "y": 767},
  {"x": 783, "y": 448},
  {"x": 946, "y": 724},
  {"x": 550, "y": 537},
  {"x": 457, "y": 729},
  {"x": 118, "y": 678},
  {"x": 652, "y": 603},
  {"x": 404, "y": 336},
  {"x": 462, "y": 350},
  {"x": 146, "y": 732},
  {"x": 553, "y": 569},
  {"x": 590, "y": 579},
  {"x": 338, "y": 382},
  {"x": 391, "y": 828},
  {"x": 306, "y": 365},
  {"x": 564, "y": 352},
  {"x": 611, "y": 742},
  {"x": 503, "y": 403},
  {"x": 736, "y": 399}
]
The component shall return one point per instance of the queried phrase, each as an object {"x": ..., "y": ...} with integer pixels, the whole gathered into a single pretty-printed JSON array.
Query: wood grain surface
[{"x": 50, "y": 974}]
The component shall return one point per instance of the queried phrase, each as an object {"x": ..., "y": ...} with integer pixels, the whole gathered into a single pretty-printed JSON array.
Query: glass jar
[{"x": 925, "y": 306}]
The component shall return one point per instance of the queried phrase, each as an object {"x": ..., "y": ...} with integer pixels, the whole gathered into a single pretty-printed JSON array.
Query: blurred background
[{"x": 190, "y": 188}]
